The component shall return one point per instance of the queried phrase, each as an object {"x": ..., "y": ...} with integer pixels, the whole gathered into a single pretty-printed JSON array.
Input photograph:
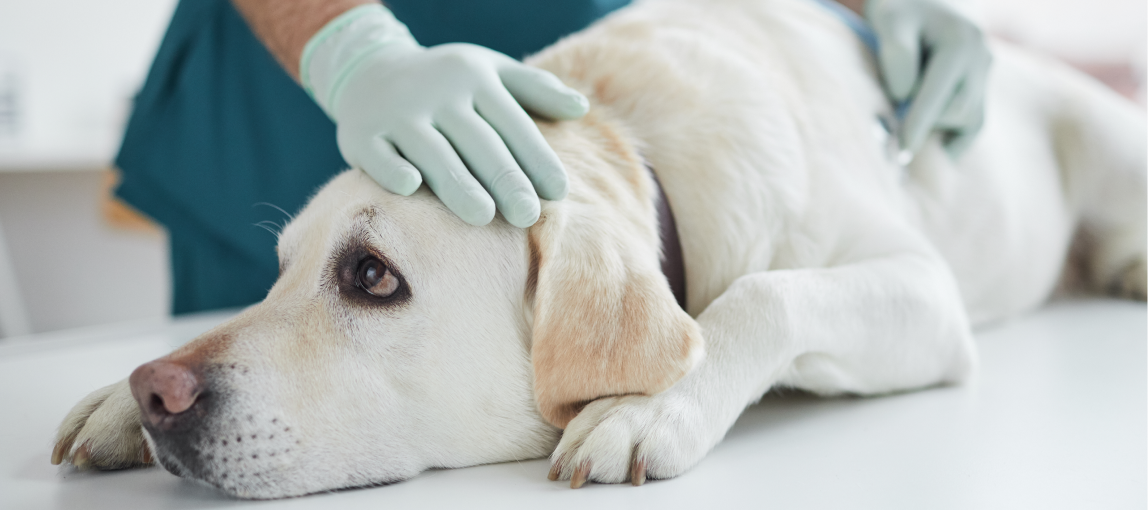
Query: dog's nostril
[{"x": 156, "y": 405}]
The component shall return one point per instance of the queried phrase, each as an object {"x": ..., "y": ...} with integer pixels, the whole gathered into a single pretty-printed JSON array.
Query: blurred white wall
[
  {"x": 68, "y": 70},
  {"x": 77, "y": 64},
  {"x": 1083, "y": 30},
  {"x": 1107, "y": 38}
]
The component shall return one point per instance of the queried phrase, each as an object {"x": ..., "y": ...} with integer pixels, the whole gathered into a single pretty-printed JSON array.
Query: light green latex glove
[
  {"x": 451, "y": 115},
  {"x": 946, "y": 87}
]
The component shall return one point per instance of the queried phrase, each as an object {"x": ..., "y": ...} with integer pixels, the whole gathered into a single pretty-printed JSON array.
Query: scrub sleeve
[{"x": 221, "y": 139}]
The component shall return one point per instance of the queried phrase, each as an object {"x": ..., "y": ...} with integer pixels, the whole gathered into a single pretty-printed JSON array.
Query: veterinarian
[{"x": 221, "y": 137}]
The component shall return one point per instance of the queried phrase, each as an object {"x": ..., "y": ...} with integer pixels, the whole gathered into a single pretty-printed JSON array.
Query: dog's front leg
[{"x": 870, "y": 327}]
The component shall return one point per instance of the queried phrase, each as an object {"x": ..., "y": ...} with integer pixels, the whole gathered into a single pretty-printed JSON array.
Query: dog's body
[{"x": 812, "y": 261}]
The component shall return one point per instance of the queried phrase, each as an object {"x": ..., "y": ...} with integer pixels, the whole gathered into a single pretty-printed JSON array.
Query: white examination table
[{"x": 1057, "y": 418}]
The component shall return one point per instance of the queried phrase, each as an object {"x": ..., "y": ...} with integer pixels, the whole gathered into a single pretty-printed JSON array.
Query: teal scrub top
[{"x": 222, "y": 143}]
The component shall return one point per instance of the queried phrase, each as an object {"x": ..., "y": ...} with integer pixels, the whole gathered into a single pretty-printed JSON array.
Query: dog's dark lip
[
  {"x": 224, "y": 469},
  {"x": 176, "y": 437},
  {"x": 249, "y": 489},
  {"x": 245, "y": 454}
]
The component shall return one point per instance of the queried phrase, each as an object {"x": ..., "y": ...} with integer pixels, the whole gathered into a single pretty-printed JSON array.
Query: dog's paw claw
[
  {"x": 82, "y": 458},
  {"x": 62, "y": 449},
  {"x": 580, "y": 474},
  {"x": 638, "y": 472}
]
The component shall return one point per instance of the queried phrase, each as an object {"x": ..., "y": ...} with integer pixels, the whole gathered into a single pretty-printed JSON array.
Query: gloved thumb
[
  {"x": 542, "y": 93},
  {"x": 900, "y": 60}
]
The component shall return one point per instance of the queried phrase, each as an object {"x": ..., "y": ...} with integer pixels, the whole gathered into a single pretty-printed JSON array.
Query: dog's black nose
[{"x": 164, "y": 390}]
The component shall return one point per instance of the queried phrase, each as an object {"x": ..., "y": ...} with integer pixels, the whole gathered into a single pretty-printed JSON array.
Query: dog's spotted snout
[{"x": 164, "y": 391}]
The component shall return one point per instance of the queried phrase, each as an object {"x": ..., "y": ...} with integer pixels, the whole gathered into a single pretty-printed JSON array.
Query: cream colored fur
[{"x": 812, "y": 261}]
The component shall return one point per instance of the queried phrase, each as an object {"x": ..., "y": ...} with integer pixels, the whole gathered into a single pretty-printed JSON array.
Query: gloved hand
[
  {"x": 949, "y": 93},
  {"x": 449, "y": 115}
]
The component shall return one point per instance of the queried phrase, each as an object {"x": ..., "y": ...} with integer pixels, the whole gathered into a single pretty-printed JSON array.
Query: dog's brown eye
[{"x": 375, "y": 278}]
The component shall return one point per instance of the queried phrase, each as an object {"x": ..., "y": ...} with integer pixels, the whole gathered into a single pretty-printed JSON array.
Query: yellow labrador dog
[{"x": 399, "y": 338}]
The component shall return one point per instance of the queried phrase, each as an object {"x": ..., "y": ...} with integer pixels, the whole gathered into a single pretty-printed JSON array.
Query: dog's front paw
[
  {"x": 103, "y": 431},
  {"x": 632, "y": 438}
]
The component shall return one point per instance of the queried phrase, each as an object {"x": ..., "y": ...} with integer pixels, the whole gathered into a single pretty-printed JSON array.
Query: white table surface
[{"x": 1057, "y": 418}]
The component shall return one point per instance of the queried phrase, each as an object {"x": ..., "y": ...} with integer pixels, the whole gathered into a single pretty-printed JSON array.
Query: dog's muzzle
[{"x": 201, "y": 428}]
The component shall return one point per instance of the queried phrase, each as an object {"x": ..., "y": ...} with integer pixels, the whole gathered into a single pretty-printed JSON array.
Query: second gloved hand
[
  {"x": 450, "y": 115},
  {"x": 936, "y": 57}
]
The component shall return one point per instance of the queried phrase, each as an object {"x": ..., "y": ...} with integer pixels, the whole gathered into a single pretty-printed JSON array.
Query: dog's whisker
[
  {"x": 281, "y": 210},
  {"x": 277, "y": 230}
]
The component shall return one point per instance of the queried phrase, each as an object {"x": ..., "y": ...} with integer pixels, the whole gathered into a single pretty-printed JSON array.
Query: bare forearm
[
  {"x": 857, "y": 6},
  {"x": 285, "y": 26}
]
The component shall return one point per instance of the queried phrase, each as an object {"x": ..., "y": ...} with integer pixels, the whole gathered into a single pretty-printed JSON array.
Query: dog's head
[{"x": 399, "y": 338}]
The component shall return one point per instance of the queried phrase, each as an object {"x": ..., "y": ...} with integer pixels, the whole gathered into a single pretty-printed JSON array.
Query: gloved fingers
[
  {"x": 542, "y": 93},
  {"x": 899, "y": 55},
  {"x": 943, "y": 73},
  {"x": 960, "y": 140},
  {"x": 525, "y": 142},
  {"x": 445, "y": 173},
  {"x": 490, "y": 161},
  {"x": 965, "y": 115},
  {"x": 968, "y": 102},
  {"x": 382, "y": 162},
  {"x": 957, "y": 113}
]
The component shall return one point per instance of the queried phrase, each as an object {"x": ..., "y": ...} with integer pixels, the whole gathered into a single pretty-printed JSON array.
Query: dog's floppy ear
[{"x": 605, "y": 320}]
